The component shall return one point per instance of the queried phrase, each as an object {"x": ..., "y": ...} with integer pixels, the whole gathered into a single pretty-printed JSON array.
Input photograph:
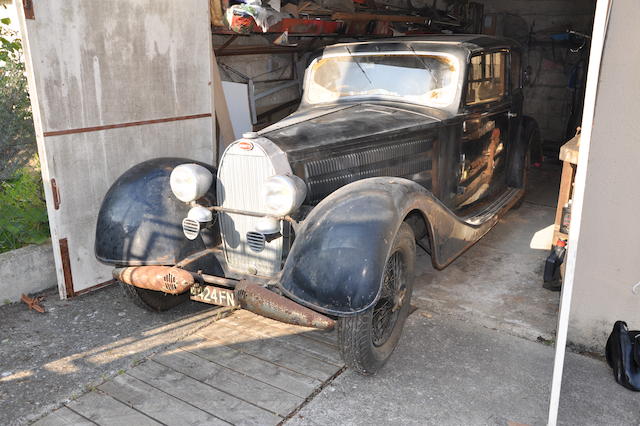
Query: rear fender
[{"x": 336, "y": 262}]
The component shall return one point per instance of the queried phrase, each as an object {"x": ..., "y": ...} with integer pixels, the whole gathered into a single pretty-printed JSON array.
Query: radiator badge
[{"x": 247, "y": 146}]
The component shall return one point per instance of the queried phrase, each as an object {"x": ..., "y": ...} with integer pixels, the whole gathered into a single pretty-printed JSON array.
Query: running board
[{"x": 505, "y": 201}]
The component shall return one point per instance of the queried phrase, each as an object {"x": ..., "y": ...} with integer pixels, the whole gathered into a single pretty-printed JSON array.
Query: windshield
[{"x": 427, "y": 79}]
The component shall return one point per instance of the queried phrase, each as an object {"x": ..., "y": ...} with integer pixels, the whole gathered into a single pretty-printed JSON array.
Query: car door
[{"x": 485, "y": 130}]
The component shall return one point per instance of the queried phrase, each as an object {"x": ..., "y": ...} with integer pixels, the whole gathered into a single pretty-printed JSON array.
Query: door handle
[{"x": 512, "y": 114}]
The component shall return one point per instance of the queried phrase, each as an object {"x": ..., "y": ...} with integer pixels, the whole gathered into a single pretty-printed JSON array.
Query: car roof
[{"x": 471, "y": 43}]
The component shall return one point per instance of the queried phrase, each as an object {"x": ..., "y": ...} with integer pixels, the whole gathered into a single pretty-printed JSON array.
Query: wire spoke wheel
[
  {"x": 386, "y": 311},
  {"x": 367, "y": 339}
]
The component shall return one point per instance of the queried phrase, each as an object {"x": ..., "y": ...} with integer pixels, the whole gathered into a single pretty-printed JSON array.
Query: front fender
[
  {"x": 336, "y": 262},
  {"x": 140, "y": 220}
]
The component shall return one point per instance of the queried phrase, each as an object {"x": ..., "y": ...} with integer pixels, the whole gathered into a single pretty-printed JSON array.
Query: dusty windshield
[{"x": 413, "y": 77}]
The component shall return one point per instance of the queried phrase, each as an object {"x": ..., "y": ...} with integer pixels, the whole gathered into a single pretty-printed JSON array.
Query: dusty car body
[{"x": 315, "y": 219}]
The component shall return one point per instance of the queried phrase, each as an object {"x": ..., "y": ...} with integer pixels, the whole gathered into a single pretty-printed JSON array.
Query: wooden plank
[
  {"x": 568, "y": 172},
  {"x": 571, "y": 150},
  {"x": 238, "y": 385},
  {"x": 104, "y": 410},
  {"x": 345, "y": 16},
  {"x": 279, "y": 377},
  {"x": 223, "y": 118},
  {"x": 155, "y": 403},
  {"x": 63, "y": 417},
  {"x": 329, "y": 337},
  {"x": 215, "y": 9},
  {"x": 284, "y": 355},
  {"x": 319, "y": 350},
  {"x": 203, "y": 396}
]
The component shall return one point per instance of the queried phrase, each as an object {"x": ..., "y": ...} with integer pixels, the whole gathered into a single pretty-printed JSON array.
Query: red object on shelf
[{"x": 242, "y": 24}]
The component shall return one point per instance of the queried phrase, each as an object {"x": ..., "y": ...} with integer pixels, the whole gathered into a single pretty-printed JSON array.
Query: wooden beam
[
  {"x": 343, "y": 16},
  {"x": 223, "y": 118},
  {"x": 215, "y": 8}
]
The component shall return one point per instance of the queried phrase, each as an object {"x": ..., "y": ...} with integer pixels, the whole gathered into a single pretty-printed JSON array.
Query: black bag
[{"x": 623, "y": 355}]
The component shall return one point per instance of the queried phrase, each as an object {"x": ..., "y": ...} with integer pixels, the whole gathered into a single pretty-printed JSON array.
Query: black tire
[
  {"x": 525, "y": 180},
  {"x": 155, "y": 301},
  {"x": 531, "y": 133},
  {"x": 364, "y": 346}
]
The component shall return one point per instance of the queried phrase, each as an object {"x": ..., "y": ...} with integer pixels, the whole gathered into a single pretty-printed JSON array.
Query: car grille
[
  {"x": 409, "y": 158},
  {"x": 240, "y": 178}
]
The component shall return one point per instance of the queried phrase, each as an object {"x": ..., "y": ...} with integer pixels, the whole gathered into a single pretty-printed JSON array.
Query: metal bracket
[
  {"x": 28, "y": 9},
  {"x": 66, "y": 267}
]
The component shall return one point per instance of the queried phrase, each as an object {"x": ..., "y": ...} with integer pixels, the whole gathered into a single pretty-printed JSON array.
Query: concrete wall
[
  {"x": 547, "y": 98},
  {"x": 26, "y": 270},
  {"x": 608, "y": 252}
]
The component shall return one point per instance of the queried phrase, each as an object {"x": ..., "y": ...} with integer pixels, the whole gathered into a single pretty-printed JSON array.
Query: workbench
[{"x": 569, "y": 157}]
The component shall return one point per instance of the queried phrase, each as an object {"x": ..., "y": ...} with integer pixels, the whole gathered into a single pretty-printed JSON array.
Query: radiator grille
[
  {"x": 240, "y": 178},
  {"x": 256, "y": 241},
  {"x": 401, "y": 159},
  {"x": 191, "y": 228}
]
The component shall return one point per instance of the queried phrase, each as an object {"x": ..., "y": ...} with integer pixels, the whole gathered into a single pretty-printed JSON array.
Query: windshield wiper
[
  {"x": 428, "y": 68},
  {"x": 360, "y": 66}
]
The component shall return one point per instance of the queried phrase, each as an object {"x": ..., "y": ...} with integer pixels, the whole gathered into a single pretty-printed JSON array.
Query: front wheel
[{"x": 367, "y": 339}]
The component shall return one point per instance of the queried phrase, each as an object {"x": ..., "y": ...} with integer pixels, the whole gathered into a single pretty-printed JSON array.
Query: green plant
[
  {"x": 17, "y": 135},
  {"x": 23, "y": 211}
]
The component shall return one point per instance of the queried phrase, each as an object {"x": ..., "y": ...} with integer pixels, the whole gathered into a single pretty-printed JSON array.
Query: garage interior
[{"x": 498, "y": 283}]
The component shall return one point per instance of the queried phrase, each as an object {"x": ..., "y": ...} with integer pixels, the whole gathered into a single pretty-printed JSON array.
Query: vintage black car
[{"x": 315, "y": 220}]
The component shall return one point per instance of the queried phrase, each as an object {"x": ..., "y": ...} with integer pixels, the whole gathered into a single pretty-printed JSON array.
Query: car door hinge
[
  {"x": 56, "y": 194},
  {"x": 28, "y": 9}
]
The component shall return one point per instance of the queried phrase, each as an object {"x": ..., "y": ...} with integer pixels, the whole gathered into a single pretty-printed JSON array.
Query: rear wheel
[
  {"x": 367, "y": 339},
  {"x": 155, "y": 301}
]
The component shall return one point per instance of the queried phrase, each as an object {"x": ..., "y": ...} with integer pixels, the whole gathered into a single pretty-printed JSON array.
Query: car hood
[{"x": 312, "y": 129}]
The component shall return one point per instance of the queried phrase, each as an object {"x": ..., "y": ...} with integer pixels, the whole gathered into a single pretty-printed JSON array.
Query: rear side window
[{"x": 487, "y": 79}]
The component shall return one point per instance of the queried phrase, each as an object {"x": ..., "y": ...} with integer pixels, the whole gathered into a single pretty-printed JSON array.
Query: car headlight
[
  {"x": 283, "y": 194},
  {"x": 190, "y": 182}
]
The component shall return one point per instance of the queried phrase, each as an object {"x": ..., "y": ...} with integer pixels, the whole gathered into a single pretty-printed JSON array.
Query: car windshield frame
[{"x": 454, "y": 86}]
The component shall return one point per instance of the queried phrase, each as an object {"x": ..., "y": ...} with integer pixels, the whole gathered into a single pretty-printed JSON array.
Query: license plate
[{"x": 214, "y": 295}]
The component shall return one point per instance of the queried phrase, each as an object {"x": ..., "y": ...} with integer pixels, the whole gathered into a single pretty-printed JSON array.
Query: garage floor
[
  {"x": 243, "y": 369},
  {"x": 497, "y": 283},
  {"x": 107, "y": 354}
]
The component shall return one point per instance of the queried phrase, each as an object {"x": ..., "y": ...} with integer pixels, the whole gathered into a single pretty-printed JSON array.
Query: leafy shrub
[
  {"x": 23, "y": 211},
  {"x": 17, "y": 136}
]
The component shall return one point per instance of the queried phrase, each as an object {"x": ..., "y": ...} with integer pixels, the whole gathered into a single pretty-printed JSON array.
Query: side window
[
  {"x": 487, "y": 79},
  {"x": 516, "y": 70}
]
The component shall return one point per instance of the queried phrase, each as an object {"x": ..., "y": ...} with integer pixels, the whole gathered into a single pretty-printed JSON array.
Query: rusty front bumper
[{"x": 244, "y": 294}]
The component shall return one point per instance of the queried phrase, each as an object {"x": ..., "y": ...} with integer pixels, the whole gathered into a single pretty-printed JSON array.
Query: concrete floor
[
  {"x": 448, "y": 371},
  {"x": 497, "y": 283}
]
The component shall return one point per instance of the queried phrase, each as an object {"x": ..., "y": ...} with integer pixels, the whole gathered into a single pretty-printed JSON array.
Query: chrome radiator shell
[{"x": 244, "y": 166}]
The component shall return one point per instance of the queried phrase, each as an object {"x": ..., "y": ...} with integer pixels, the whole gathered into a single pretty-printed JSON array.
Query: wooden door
[{"x": 112, "y": 83}]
